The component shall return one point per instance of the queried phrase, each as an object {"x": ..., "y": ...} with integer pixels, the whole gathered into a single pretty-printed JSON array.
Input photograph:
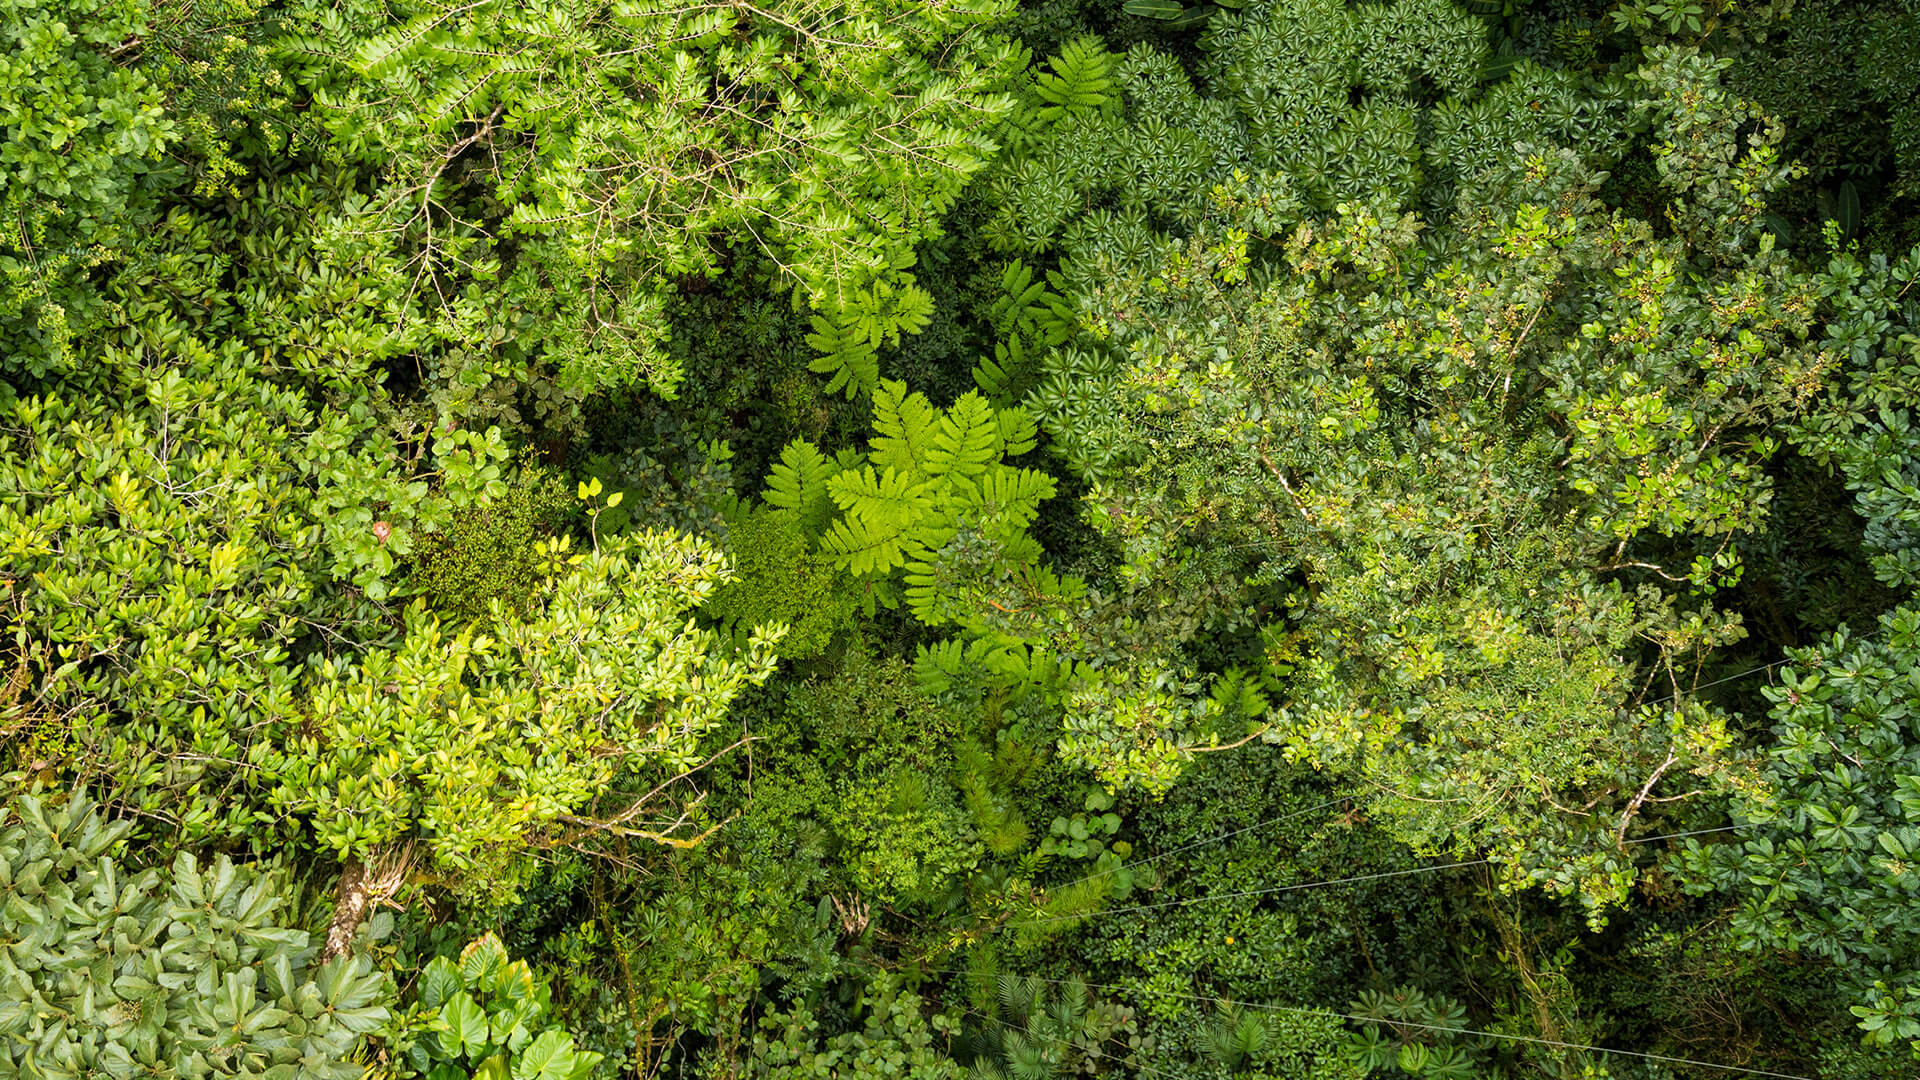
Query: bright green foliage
[
  {"x": 188, "y": 972},
  {"x": 1828, "y": 868},
  {"x": 779, "y": 578},
  {"x": 1385, "y": 429},
  {"x": 1138, "y": 727},
  {"x": 176, "y": 536},
  {"x": 1441, "y": 390},
  {"x": 82, "y": 144},
  {"x": 897, "y": 1039},
  {"x": 906, "y": 835},
  {"x": 798, "y": 484},
  {"x": 931, "y": 479},
  {"x": 616, "y": 143},
  {"x": 487, "y": 1016},
  {"x": 479, "y": 743},
  {"x": 866, "y": 320},
  {"x": 488, "y": 553}
]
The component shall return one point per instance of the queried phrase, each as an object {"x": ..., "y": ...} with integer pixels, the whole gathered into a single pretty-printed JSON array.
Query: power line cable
[
  {"x": 1330, "y": 803},
  {"x": 1755, "y": 671},
  {"x": 1245, "y": 894},
  {"x": 1557, "y": 1044}
]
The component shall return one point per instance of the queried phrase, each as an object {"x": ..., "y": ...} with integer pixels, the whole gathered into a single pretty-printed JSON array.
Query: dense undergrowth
[{"x": 884, "y": 538}]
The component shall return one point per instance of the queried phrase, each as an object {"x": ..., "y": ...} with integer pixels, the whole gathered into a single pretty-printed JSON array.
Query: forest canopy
[{"x": 990, "y": 539}]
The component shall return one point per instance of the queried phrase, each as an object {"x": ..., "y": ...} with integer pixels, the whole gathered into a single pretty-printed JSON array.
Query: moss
[
  {"x": 487, "y": 554},
  {"x": 779, "y": 578}
]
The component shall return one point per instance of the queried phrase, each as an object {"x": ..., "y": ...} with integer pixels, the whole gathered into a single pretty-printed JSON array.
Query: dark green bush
[
  {"x": 779, "y": 578},
  {"x": 487, "y": 554}
]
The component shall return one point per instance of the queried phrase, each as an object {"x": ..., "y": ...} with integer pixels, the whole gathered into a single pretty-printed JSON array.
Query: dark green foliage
[
  {"x": 1845, "y": 77},
  {"x": 1039, "y": 1031},
  {"x": 897, "y": 1039},
  {"x": 1828, "y": 867},
  {"x": 190, "y": 971},
  {"x": 869, "y": 716},
  {"x": 487, "y": 555},
  {"x": 779, "y": 578}
]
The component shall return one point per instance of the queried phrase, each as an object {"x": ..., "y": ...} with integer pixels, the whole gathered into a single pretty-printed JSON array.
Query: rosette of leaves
[
  {"x": 189, "y": 971},
  {"x": 1411, "y": 1033},
  {"x": 487, "y": 1018}
]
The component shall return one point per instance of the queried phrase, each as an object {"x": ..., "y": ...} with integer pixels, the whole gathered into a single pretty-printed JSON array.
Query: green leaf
[
  {"x": 466, "y": 1024},
  {"x": 439, "y": 982},
  {"x": 482, "y": 961},
  {"x": 1154, "y": 9},
  {"x": 549, "y": 1057}
]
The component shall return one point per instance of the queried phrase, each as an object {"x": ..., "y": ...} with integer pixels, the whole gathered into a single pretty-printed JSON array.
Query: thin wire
[
  {"x": 1692, "y": 832},
  {"x": 1247, "y": 893},
  {"x": 1721, "y": 682},
  {"x": 1331, "y": 881},
  {"x": 1331, "y": 1014},
  {"x": 1214, "y": 840},
  {"x": 1862, "y": 639},
  {"x": 1091, "y": 1050}
]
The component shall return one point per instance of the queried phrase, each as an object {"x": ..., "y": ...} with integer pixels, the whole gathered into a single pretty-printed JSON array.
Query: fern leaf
[
  {"x": 1020, "y": 995},
  {"x": 1007, "y": 375},
  {"x": 905, "y": 427},
  {"x": 1080, "y": 79},
  {"x": 1018, "y": 432},
  {"x": 1018, "y": 293},
  {"x": 846, "y": 349},
  {"x": 798, "y": 483},
  {"x": 1015, "y": 495},
  {"x": 885, "y": 511},
  {"x": 965, "y": 442},
  {"x": 936, "y": 666}
]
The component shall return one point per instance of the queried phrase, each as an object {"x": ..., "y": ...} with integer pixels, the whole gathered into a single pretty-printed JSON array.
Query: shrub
[
  {"x": 187, "y": 972},
  {"x": 488, "y": 554}
]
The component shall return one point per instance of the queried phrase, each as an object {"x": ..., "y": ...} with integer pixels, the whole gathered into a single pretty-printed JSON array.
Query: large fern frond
[
  {"x": 846, "y": 349},
  {"x": 1081, "y": 77},
  {"x": 886, "y": 511},
  {"x": 1006, "y": 375},
  {"x": 965, "y": 442},
  {"x": 1013, "y": 496},
  {"x": 1018, "y": 432},
  {"x": 799, "y": 483},
  {"x": 905, "y": 427}
]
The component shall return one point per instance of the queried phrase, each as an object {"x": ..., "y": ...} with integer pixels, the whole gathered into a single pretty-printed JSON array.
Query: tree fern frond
[
  {"x": 1071, "y": 1007},
  {"x": 1019, "y": 292},
  {"x": 1005, "y": 376},
  {"x": 1014, "y": 495},
  {"x": 798, "y": 483},
  {"x": 1081, "y": 77},
  {"x": 965, "y": 442},
  {"x": 906, "y": 427},
  {"x": 846, "y": 351},
  {"x": 1018, "y": 432},
  {"x": 886, "y": 512}
]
